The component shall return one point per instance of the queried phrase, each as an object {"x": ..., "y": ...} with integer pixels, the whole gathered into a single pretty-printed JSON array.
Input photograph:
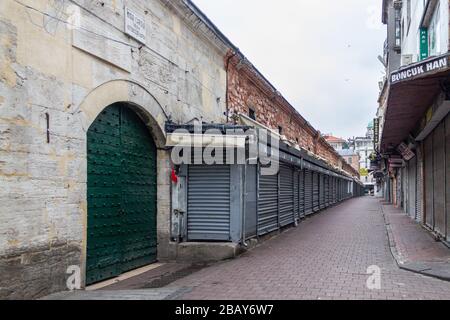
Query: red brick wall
[{"x": 247, "y": 89}]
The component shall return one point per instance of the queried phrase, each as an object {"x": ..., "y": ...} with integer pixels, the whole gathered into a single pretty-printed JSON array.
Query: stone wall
[
  {"x": 50, "y": 67},
  {"x": 247, "y": 89}
]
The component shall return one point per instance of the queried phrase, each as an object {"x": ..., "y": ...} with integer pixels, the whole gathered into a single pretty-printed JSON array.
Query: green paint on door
[{"x": 121, "y": 193}]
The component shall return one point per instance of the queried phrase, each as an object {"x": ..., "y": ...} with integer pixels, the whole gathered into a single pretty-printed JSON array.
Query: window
[
  {"x": 350, "y": 160},
  {"x": 252, "y": 113},
  {"x": 434, "y": 33},
  {"x": 280, "y": 130},
  {"x": 398, "y": 26},
  {"x": 408, "y": 15}
]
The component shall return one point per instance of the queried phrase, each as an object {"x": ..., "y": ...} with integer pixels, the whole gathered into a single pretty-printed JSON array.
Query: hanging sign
[
  {"x": 134, "y": 25},
  {"x": 406, "y": 152},
  {"x": 423, "y": 43},
  {"x": 419, "y": 69}
]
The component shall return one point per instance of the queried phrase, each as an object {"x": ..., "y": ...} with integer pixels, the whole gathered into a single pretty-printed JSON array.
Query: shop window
[{"x": 252, "y": 113}]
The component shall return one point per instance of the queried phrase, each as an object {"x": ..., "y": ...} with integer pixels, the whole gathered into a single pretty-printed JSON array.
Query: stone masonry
[{"x": 50, "y": 67}]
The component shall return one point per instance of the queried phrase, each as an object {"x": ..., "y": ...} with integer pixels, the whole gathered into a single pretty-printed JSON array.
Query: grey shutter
[
  {"x": 334, "y": 190},
  {"x": 301, "y": 196},
  {"x": 316, "y": 191},
  {"x": 208, "y": 215},
  {"x": 412, "y": 166},
  {"x": 296, "y": 195},
  {"x": 447, "y": 172},
  {"x": 321, "y": 191},
  {"x": 308, "y": 192},
  {"x": 267, "y": 204},
  {"x": 439, "y": 179},
  {"x": 428, "y": 150},
  {"x": 328, "y": 191},
  {"x": 286, "y": 195},
  {"x": 419, "y": 186}
]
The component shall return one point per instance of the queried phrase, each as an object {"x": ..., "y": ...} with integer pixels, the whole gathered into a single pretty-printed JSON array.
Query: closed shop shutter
[
  {"x": 419, "y": 186},
  {"x": 308, "y": 192},
  {"x": 296, "y": 195},
  {"x": 428, "y": 153},
  {"x": 405, "y": 189},
  {"x": 412, "y": 187},
  {"x": 208, "y": 213},
  {"x": 321, "y": 191},
  {"x": 286, "y": 195},
  {"x": 439, "y": 178},
  {"x": 267, "y": 204},
  {"x": 316, "y": 192},
  {"x": 301, "y": 196},
  {"x": 447, "y": 173},
  {"x": 327, "y": 191}
]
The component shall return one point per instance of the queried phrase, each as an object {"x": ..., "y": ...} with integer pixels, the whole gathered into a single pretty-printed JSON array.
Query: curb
[{"x": 422, "y": 268}]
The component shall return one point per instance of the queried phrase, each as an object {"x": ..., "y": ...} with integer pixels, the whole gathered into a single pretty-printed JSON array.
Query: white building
[{"x": 364, "y": 147}]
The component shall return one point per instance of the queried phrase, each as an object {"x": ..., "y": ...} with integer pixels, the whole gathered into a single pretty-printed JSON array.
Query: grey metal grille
[{"x": 208, "y": 214}]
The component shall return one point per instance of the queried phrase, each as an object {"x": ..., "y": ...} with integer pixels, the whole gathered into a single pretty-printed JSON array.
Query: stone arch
[{"x": 128, "y": 92}]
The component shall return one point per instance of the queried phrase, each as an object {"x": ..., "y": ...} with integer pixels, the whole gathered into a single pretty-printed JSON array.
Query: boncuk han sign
[
  {"x": 134, "y": 25},
  {"x": 422, "y": 68}
]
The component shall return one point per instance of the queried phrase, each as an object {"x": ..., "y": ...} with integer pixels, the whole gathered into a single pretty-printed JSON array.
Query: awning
[
  {"x": 203, "y": 140},
  {"x": 412, "y": 92}
]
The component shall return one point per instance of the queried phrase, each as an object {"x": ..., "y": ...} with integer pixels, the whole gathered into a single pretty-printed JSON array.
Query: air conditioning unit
[{"x": 407, "y": 59}]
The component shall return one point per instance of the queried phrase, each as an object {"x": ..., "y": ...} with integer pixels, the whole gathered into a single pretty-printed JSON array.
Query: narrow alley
[{"x": 325, "y": 257}]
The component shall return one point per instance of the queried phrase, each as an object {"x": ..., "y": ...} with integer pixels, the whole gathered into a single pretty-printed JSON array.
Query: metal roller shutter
[
  {"x": 405, "y": 189},
  {"x": 428, "y": 163},
  {"x": 267, "y": 204},
  {"x": 296, "y": 195},
  {"x": 321, "y": 191},
  {"x": 327, "y": 191},
  {"x": 316, "y": 192},
  {"x": 419, "y": 186},
  {"x": 412, "y": 187},
  {"x": 335, "y": 190},
  {"x": 208, "y": 216},
  {"x": 301, "y": 196},
  {"x": 439, "y": 179},
  {"x": 447, "y": 173},
  {"x": 286, "y": 195},
  {"x": 308, "y": 192}
]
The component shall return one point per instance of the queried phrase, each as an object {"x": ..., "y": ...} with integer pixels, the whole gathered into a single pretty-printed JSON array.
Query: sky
[{"x": 320, "y": 55}]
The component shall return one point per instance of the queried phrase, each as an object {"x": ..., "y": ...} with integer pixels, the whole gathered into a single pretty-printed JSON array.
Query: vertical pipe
[{"x": 47, "y": 119}]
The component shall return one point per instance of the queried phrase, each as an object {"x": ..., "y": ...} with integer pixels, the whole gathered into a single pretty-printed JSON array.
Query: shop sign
[
  {"x": 406, "y": 152},
  {"x": 422, "y": 68},
  {"x": 423, "y": 43}
]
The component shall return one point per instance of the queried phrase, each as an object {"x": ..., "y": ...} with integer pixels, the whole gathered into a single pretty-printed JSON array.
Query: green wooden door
[{"x": 121, "y": 193}]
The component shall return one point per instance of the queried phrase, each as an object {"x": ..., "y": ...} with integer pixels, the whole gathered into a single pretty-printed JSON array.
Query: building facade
[
  {"x": 413, "y": 161},
  {"x": 337, "y": 143},
  {"x": 351, "y": 157},
  {"x": 90, "y": 97},
  {"x": 364, "y": 147}
]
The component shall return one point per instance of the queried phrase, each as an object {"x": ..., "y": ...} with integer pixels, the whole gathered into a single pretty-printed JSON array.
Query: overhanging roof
[{"x": 412, "y": 92}]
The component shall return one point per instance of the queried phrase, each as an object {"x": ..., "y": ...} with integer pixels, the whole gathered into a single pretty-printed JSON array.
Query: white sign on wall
[{"x": 134, "y": 25}]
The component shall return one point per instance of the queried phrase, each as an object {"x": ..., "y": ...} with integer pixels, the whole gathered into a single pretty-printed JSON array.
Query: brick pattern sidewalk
[
  {"x": 325, "y": 257},
  {"x": 413, "y": 247}
]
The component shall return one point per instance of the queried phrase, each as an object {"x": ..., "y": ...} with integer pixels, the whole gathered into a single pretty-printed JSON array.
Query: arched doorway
[{"x": 121, "y": 194}]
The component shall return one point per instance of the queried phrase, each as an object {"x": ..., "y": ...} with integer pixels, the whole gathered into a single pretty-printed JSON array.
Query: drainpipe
[{"x": 227, "y": 65}]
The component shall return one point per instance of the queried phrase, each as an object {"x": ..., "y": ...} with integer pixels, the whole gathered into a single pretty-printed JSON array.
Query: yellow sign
[{"x": 363, "y": 172}]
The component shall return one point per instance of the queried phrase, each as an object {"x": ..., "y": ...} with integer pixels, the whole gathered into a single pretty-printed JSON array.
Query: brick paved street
[{"x": 326, "y": 257}]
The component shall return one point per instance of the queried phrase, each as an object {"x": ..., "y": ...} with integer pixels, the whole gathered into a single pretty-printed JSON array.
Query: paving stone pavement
[{"x": 325, "y": 257}]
